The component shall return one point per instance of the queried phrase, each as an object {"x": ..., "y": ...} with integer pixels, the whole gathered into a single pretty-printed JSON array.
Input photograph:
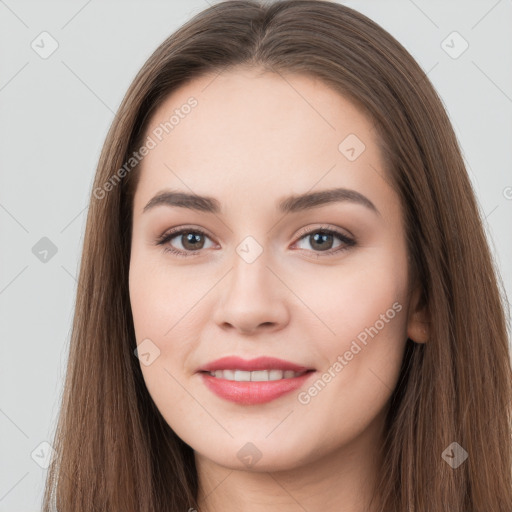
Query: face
[{"x": 253, "y": 270}]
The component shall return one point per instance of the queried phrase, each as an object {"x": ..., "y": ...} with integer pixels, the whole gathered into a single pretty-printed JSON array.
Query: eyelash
[{"x": 166, "y": 237}]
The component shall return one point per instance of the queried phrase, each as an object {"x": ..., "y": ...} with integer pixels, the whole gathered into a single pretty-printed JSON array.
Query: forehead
[{"x": 254, "y": 133}]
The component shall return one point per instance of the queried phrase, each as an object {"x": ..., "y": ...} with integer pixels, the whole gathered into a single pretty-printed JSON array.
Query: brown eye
[
  {"x": 321, "y": 241},
  {"x": 324, "y": 240},
  {"x": 187, "y": 241},
  {"x": 192, "y": 241}
]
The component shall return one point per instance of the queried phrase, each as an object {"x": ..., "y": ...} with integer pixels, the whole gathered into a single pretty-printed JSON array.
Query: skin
[{"x": 253, "y": 139}]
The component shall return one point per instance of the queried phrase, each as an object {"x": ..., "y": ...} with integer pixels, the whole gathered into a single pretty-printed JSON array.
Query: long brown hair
[{"x": 114, "y": 450}]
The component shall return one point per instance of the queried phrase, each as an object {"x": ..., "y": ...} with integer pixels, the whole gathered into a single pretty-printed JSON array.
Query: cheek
[
  {"x": 365, "y": 309},
  {"x": 353, "y": 297},
  {"x": 166, "y": 305},
  {"x": 362, "y": 334},
  {"x": 159, "y": 297},
  {"x": 147, "y": 298},
  {"x": 164, "y": 330}
]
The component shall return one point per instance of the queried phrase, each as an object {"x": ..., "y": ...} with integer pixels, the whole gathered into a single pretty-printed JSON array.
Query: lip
[
  {"x": 252, "y": 393},
  {"x": 260, "y": 363}
]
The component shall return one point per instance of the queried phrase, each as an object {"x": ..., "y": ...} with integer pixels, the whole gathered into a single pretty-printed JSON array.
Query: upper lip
[{"x": 260, "y": 363}]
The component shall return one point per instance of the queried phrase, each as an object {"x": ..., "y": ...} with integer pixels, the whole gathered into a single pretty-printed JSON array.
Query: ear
[{"x": 418, "y": 320}]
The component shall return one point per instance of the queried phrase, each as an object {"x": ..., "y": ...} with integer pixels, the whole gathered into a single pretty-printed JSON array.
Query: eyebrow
[{"x": 291, "y": 204}]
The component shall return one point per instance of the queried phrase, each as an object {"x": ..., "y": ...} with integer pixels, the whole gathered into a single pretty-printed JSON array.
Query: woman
[{"x": 286, "y": 300}]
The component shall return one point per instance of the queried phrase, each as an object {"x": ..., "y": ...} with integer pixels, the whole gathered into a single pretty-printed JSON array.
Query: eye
[
  {"x": 191, "y": 240},
  {"x": 322, "y": 240}
]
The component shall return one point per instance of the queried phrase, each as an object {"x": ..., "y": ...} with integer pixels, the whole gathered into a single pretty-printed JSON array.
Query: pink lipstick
[{"x": 254, "y": 381}]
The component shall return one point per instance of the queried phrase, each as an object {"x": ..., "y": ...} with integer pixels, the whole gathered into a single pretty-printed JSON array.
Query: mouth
[
  {"x": 264, "y": 385},
  {"x": 269, "y": 375},
  {"x": 252, "y": 382}
]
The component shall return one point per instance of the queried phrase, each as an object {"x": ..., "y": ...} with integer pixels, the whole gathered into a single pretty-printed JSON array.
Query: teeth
[{"x": 255, "y": 376}]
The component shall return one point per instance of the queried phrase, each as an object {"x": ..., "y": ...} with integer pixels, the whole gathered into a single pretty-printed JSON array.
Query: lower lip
[{"x": 250, "y": 393}]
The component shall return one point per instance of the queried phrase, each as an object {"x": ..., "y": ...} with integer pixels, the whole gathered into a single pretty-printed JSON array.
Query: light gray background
[{"x": 54, "y": 116}]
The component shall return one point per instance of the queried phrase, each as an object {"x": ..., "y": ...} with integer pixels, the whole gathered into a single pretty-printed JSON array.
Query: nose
[{"x": 252, "y": 299}]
